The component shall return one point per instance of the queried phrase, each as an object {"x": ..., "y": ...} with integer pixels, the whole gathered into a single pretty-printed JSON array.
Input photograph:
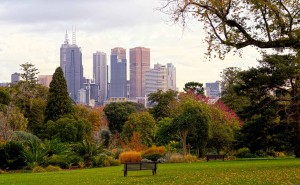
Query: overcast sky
[{"x": 33, "y": 31}]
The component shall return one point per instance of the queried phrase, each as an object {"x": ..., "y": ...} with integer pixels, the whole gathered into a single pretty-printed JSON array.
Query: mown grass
[{"x": 267, "y": 171}]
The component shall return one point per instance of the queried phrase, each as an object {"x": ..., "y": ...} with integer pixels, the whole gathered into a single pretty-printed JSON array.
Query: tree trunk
[
  {"x": 184, "y": 136},
  {"x": 296, "y": 116}
]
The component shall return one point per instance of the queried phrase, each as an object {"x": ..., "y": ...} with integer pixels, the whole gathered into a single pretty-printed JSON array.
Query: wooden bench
[
  {"x": 215, "y": 157},
  {"x": 140, "y": 166}
]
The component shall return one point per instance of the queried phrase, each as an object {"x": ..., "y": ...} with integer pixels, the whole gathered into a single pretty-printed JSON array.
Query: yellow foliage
[
  {"x": 131, "y": 156},
  {"x": 155, "y": 150}
]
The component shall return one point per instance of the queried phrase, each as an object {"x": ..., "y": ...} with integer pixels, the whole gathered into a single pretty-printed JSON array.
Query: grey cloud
[{"x": 93, "y": 14}]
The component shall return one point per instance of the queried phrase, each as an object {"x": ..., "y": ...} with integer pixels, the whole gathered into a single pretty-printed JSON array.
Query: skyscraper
[
  {"x": 15, "y": 78},
  {"x": 45, "y": 80},
  {"x": 100, "y": 75},
  {"x": 118, "y": 76},
  {"x": 71, "y": 64},
  {"x": 139, "y": 64},
  {"x": 156, "y": 79},
  {"x": 171, "y": 76},
  {"x": 213, "y": 90}
]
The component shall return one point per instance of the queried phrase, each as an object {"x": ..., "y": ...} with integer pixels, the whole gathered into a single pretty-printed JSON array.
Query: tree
[
  {"x": 237, "y": 24},
  {"x": 142, "y": 123},
  {"x": 165, "y": 132},
  {"x": 222, "y": 128},
  {"x": 59, "y": 103},
  {"x": 272, "y": 91},
  {"x": 29, "y": 73},
  {"x": 67, "y": 130},
  {"x": 117, "y": 114},
  {"x": 192, "y": 117},
  {"x": 162, "y": 102},
  {"x": 230, "y": 78},
  {"x": 194, "y": 87}
]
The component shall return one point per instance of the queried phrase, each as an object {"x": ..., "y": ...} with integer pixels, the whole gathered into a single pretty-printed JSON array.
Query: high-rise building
[
  {"x": 100, "y": 75},
  {"x": 118, "y": 75},
  {"x": 161, "y": 77},
  {"x": 156, "y": 79},
  {"x": 71, "y": 64},
  {"x": 45, "y": 80},
  {"x": 15, "y": 78},
  {"x": 213, "y": 90},
  {"x": 139, "y": 64},
  {"x": 171, "y": 77}
]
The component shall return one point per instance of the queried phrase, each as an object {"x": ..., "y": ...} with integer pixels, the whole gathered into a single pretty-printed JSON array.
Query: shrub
[
  {"x": 146, "y": 160},
  {"x": 176, "y": 158},
  {"x": 161, "y": 160},
  {"x": 51, "y": 168},
  {"x": 38, "y": 169},
  {"x": 244, "y": 153},
  {"x": 279, "y": 154},
  {"x": 190, "y": 158},
  {"x": 2, "y": 172},
  {"x": 131, "y": 156},
  {"x": 11, "y": 155},
  {"x": 153, "y": 156},
  {"x": 155, "y": 150},
  {"x": 81, "y": 164},
  {"x": 59, "y": 160},
  {"x": 101, "y": 160},
  {"x": 116, "y": 152},
  {"x": 114, "y": 162}
]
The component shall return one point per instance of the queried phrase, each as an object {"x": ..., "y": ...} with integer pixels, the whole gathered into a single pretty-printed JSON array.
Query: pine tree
[{"x": 59, "y": 103}]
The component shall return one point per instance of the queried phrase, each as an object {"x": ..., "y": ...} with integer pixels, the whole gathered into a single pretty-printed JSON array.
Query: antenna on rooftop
[
  {"x": 74, "y": 36},
  {"x": 66, "y": 37}
]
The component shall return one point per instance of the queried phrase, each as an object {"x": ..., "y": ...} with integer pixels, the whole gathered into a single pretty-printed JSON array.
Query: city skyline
[{"x": 36, "y": 35}]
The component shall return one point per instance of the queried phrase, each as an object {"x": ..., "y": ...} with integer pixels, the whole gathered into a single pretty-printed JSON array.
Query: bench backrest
[{"x": 140, "y": 166}]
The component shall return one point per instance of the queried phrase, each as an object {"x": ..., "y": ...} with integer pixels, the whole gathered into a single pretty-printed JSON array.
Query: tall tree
[
  {"x": 230, "y": 78},
  {"x": 142, "y": 123},
  {"x": 162, "y": 103},
  {"x": 191, "y": 117},
  {"x": 194, "y": 87},
  {"x": 29, "y": 73},
  {"x": 59, "y": 103},
  {"x": 273, "y": 93},
  {"x": 236, "y": 24}
]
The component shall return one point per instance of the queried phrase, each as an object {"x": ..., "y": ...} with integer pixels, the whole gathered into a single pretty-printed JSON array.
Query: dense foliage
[{"x": 58, "y": 103}]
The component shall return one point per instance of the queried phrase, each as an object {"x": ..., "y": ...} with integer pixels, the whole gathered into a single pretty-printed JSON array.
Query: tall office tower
[
  {"x": 213, "y": 90},
  {"x": 118, "y": 75},
  {"x": 100, "y": 75},
  {"x": 171, "y": 77},
  {"x": 71, "y": 64},
  {"x": 139, "y": 64},
  {"x": 45, "y": 80},
  {"x": 15, "y": 78},
  {"x": 156, "y": 79}
]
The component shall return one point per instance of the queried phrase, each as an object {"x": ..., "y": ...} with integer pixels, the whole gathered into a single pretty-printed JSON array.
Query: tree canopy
[
  {"x": 162, "y": 103},
  {"x": 29, "y": 73},
  {"x": 59, "y": 103},
  {"x": 237, "y": 24},
  {"x": 195, "y": 87},
  {"x": 118, "y": 113}
]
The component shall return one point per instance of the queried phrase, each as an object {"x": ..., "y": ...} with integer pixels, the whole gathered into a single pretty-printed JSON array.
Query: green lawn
[{"x": 266, "y": 171}]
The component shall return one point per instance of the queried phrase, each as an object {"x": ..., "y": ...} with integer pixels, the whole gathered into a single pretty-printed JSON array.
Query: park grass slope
[{"x": 264, "y": 171}]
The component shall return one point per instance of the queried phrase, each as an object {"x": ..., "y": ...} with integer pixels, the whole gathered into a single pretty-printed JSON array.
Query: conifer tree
[{"x": 59, "y": 103}]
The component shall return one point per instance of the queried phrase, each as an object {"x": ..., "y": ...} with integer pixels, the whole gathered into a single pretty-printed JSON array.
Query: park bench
[
  {"x": 140, "y": 166},
  {"x": 215, "y": 157}
]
